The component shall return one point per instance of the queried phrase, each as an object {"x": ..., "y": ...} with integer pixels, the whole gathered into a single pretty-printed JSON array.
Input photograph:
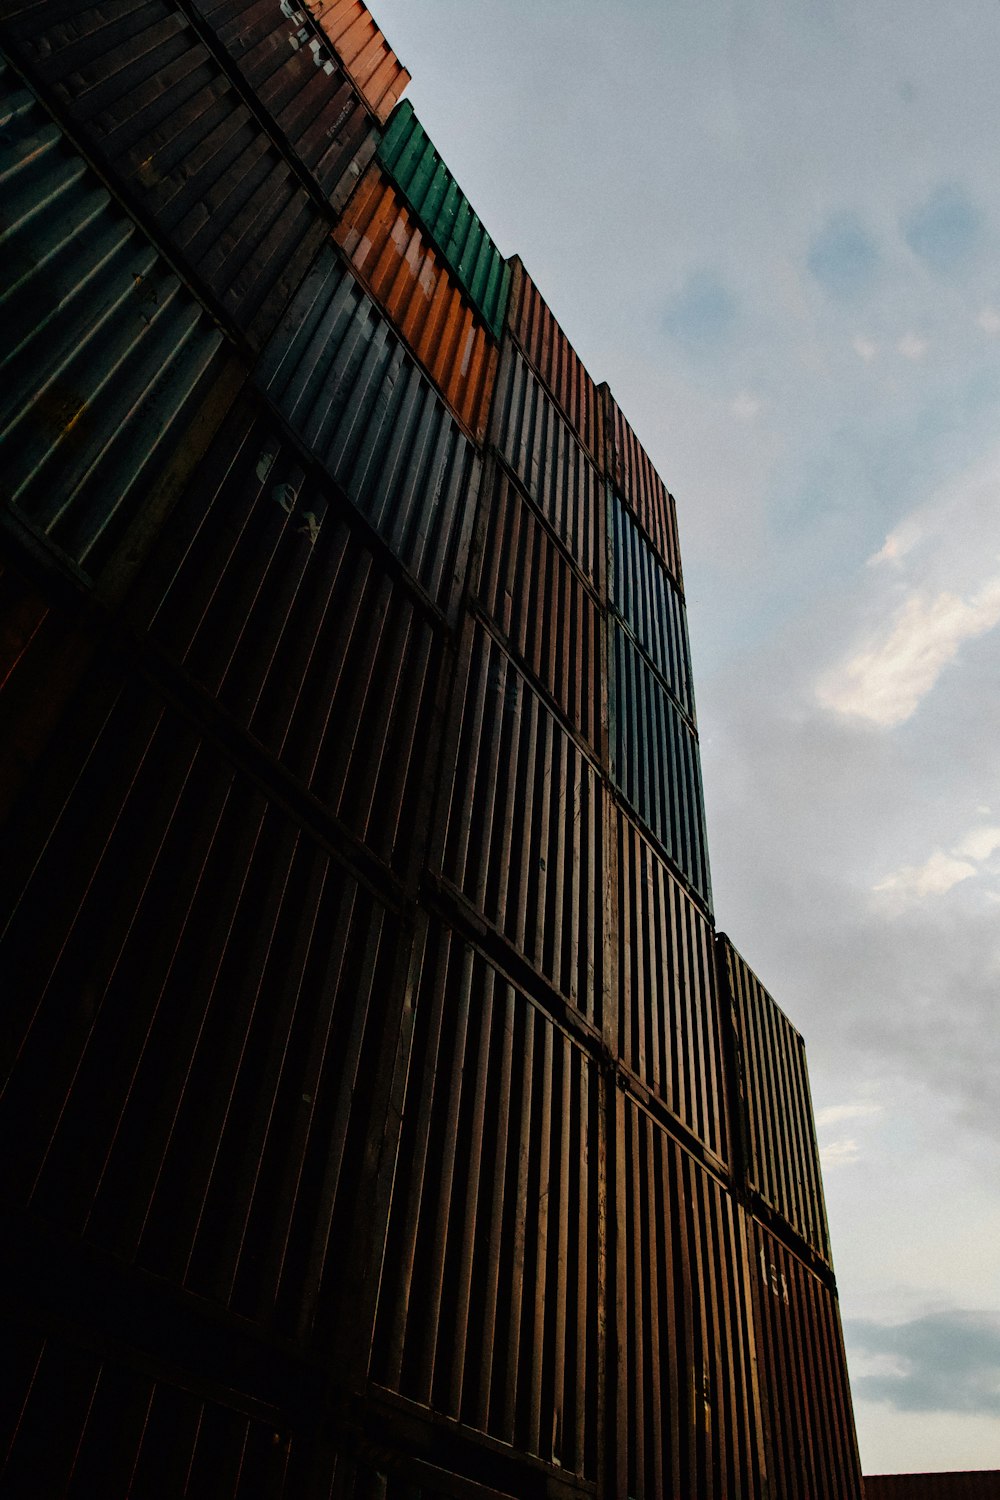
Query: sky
[{"x": 773, "y": 228}]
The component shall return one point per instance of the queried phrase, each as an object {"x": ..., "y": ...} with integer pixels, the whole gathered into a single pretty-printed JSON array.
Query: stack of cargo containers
[{"x": 389, "y": 1119}]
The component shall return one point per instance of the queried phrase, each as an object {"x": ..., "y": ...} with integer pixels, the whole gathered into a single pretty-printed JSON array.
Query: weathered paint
[
  {"x": 549, "y": 618},
  {"x": 363, "y": 50},
  {"x": 357, "y": 398},
  {"x": 967, "y": 1484},
  {"x": 410, "y": 158},
  {"x": 630, "y": 469},
  {"x": 553, "y": 357},
  {"x": 642, "y": 592},
  {"x": 542, "y": 449},
  {"x": 688, "y": 1415},
  {"x": 669, "y": 1031},
  {"x": 523, "y": 837},
  {"x": 812, "y": 1448},
  {"x": 411, "y": 283},
  {"x": 488, "y": 1302},
  {"x": 655, "y": 762},
  {"x": 783, "y": 1157},
  {"x": 107, "y": 361}
]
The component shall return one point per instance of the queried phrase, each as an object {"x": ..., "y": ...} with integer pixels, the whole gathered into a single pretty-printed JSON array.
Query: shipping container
[
  {"x": 398, "y": 1477},
  {"x": 413, "y": 286},
  {"x": 655, "y": 762},
  {"x": 190, "y": 151},
  {"x": 553, "y": 357},
  {"x": 782, "y": 1164},
  {"x": 521, "y": 830},
  {"x": 641, "y": 591},
  {"x": 410, "y": 158},
  {"x": 542, "y": 450},
  {"x": 112, "y": 376},
  {"x": 968, "y": 1484},
  {"x": 489, "y": 1299},
  {"x": 293, "y": 76},
  {"x": 361, "y": 48},
  {"x": 349, "y": 388},
  {"x": 551, "y": 621},
  {"x": 201, "y": 1007},
  {"x": 280, "y": 605},
  {"x": 688, "y": 1414},
  {"x": 631, "y": 472},
  {"x": 669, "y": 1031},
  {"x": 812, "y": 1449}
]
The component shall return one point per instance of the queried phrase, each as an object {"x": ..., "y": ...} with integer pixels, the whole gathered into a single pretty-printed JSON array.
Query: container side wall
[
  {"x": 557, "y": 362},
  {"x": 642, "y": 592},
  {"x": 631, "y": 471},
  {"x": 970, "y": 1484},
  {"x": 488, "y": 1302},
  {"x": 363, "y": 50},
  {"x": 361, "y": 404}
]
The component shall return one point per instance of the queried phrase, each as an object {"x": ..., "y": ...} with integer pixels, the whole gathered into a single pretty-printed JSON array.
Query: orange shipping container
[
  {"x": 391, "y": 255},
  {"x": 363, "y": 50}
]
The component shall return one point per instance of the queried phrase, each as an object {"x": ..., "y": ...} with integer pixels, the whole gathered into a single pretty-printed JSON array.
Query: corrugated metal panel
[
  {"x": 545, "y": 455},
  {"x": 668, "y": 1016},
  {"x": 488, "y": 1307},
  {"x": 412, "y": 284},
  {"x": 557, "y": 362},
  {"x": 413, "y": 1479},
  {"x": 642, "y": 593},
  {"x": 968, "y": 1484},
  {"x": 358, "y": 400},
  {"x": 267, "y": 592},
  {"x": 655, "y": 762},
  {"x": 784, "y": 1165},
  {"x": 812, "y": 1448},
  {"x": 82, "y": 1426},
  {"x": 410, "y": 158},
  {"x": 524, "y": 834},
  {"x": 688, "y": 1415},
  {"x": 198, "y": 999},
  {"x": 302, "y": 86},
  {"x": 162, "y": 118},
  {"x": 631, "y": 471},
  {"x": 362, "y": 49},
  {"x": 550, "y": 618},
  {"x": 107, "y": 361}
]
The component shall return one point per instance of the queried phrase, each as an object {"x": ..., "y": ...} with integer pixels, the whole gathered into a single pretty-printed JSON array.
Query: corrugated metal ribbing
[
  {"x": 655, "y": 762},
  {"x": 362, "y": 405},
  {"x": 301, "y": 85},
  {"x": 412, "y": 284},
  {"x": 106, "y": 358},
  {"x": 784, "y": 1165},
  {"x": 545, "y": 455},
  {"x": 968, "y": 1484},
  {"x": 668, "y": 1017},
  {"x": 642, "y": 593},
  {"x": 276, "y": 605},
  {"x": 488, "y": 1308},
  {"x": 362, "y": 49},
  {"x": 161, "y": 116},
  {"x": 558, "y": 363},
  {"x": 687, "y": 1402},
  {"x": 550, "y": 618},
  {"x": 197, "y": 998},
  {"x": 812, "y": 1450},
  {"x": 412, "y": 1480},
  {"x": 410, "y": 158},
  {"x": 524, "y": 839},
  {"x": 83, "y": 1426},
  {"x": 631, "y": 471}
]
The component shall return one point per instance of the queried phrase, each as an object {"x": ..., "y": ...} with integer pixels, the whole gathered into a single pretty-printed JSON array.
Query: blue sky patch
[
  {"x": 945, "y": 230},
  {"x": 844, "y": 257}
]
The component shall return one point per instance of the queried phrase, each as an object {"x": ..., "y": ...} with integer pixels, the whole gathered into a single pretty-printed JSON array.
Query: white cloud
[
  {"x": 839, "y": 1154},
  {"x": 864, "y": 348},
  {"x": 912, "y": 346},
  {"x": 979, "y": 844},
  {"x": 746, "y": 407},
  {"x": 834, "y": 1113},
  {"x": 933, "y": 878},
  {"x": 989, "y": 320},
  {"x": 898, "y": 543}
]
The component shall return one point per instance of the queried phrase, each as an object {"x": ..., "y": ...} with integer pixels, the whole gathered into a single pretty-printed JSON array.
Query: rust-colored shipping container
[
  {"x": 280, "y": 605},
  {"x": 967, "y": 1484},
  {"x": 360, "y": 403},
  {"x": 542, "y": 606},
  {"x": 782, "y": 1157},
  {"x": 630, "y": 469},
  {"x": 400, "y": 267},
  {"x": 669, "y": 1030},
  {"x": 812, "y": 1451},
  {"x": 361, "y": 47},
  {"x": 543, "y": 451},
  {"x": 688, "y": 1419},
  {"x": 521, "y": 832},
  {"x": 491, "y": 1287},
  {"x": 553, "y": 357}
]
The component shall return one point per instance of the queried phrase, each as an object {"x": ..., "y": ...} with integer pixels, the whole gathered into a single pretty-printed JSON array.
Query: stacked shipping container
[{"x": 389, "y": 1119}]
